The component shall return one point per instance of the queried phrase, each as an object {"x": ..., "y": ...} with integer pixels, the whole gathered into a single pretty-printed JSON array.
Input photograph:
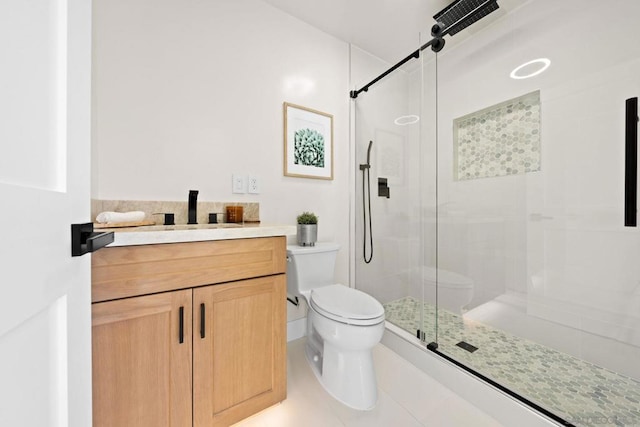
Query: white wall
[{"x": 187, "y": 92}]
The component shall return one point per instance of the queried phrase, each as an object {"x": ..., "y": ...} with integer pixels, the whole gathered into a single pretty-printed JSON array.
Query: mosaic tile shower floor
[{"x": 580, "y": 392}]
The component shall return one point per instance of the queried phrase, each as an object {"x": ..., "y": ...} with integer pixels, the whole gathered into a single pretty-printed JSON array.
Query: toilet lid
[
  {"x": 318, "y": 247},
  {"x": 347, "y": 305}
]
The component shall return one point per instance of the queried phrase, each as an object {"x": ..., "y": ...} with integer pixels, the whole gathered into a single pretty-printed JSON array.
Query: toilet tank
[{"x": 310, "y": 267}]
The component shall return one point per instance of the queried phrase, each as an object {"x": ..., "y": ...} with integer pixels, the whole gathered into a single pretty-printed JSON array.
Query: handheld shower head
[{"x": 368, "y": 164}]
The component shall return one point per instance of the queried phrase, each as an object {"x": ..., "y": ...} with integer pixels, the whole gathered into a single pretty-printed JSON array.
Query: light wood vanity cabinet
[
  {"x": 240, "y": 364},
  {"x": 142, "y": 374},
  {"x": 225, "y": 300}
]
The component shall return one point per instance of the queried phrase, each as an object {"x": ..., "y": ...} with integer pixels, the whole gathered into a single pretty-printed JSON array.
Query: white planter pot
[{"x": 307, "y": 234}]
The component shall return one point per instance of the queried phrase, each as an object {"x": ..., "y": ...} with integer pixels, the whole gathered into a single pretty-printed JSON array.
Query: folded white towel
[{"x": 114, "y": 217}]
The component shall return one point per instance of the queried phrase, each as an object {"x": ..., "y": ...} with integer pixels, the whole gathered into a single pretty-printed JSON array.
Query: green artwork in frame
[{"x": 308, "y": 142}]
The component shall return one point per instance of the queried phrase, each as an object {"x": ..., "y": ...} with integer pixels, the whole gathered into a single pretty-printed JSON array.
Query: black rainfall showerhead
[{"x": 460, "y": 14}]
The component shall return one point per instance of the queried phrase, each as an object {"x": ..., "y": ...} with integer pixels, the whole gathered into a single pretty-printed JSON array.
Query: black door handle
[
  {"x": 631, "y": 163},
  {"x": 181, "y": 325},
  {"x": 202, "y": 321},
  {"x": 85, "y": 240}
]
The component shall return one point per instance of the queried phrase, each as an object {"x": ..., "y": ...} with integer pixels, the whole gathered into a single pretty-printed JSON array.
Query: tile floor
[
  {"x": 580, "y": 392},
  {"x": 407, "y": 397}
]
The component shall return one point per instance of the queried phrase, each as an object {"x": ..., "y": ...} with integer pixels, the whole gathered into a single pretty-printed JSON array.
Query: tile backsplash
[{"x": 155, "y": 209}]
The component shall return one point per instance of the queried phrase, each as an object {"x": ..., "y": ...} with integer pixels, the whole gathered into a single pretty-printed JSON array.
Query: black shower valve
[{"x": 383, "y": 188}]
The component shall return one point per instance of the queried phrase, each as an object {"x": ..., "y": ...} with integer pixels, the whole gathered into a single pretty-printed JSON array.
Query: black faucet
[{"x": 193, "y": 207}]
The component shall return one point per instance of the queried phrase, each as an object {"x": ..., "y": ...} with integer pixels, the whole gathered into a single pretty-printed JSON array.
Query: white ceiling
[{"x": 388, "y": 29}]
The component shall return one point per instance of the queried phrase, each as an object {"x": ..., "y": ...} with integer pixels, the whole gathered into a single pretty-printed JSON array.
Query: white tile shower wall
[{"x": 188, "y": 92}]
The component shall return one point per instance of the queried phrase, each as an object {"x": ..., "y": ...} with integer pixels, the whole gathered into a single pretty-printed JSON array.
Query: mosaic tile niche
[{"x": 500, "y": 140}]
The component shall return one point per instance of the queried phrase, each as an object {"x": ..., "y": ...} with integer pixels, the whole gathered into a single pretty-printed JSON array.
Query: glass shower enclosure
[{"x": 507, "y": 242}]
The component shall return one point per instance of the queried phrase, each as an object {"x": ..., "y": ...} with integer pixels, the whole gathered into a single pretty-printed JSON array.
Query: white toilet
[
  {"x": 455, "y": 291},
  {"x": 343, "y": 325}
]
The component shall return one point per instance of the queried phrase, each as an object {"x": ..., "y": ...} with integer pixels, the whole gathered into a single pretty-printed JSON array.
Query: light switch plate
[{"x": 238, "y": 184}]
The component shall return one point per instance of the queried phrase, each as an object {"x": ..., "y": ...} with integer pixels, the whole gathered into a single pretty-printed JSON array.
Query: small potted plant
[{"x": 307, "y": 229}]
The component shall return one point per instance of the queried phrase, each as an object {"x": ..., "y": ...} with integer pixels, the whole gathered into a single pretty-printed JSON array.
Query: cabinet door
[
  {"x": 239, "y": 359},
  {"x": 141, "y": 369}
]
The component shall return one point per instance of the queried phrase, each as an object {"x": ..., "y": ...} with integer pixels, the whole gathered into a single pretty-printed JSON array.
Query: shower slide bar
[
  {"x": 631, "y": 163},
  {"x": 450, "y": 20},
  {"x": 354, "y": 93}
]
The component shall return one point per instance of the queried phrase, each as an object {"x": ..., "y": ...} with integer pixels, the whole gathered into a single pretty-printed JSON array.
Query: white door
[{"x": 45, "y": 322}]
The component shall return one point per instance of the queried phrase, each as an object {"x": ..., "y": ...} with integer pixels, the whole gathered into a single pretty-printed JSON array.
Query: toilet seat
[{"x": 346, "y": 305}]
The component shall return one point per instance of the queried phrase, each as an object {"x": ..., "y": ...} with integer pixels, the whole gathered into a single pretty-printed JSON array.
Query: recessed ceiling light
[
  {"x": 536, "y": 66},
  {"x": 406, "y": 120}
]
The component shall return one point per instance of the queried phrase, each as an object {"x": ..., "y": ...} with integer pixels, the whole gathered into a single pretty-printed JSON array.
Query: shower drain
[{"x": 465, "y": 345}]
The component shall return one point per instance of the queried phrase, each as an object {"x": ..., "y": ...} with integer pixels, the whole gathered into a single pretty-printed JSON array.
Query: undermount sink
[{"x": 180, "y": 227}]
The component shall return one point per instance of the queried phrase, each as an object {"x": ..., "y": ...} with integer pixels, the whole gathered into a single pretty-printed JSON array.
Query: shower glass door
[
  {"x": 389, "y": 244},
  {"x": 538, "y": 277}
]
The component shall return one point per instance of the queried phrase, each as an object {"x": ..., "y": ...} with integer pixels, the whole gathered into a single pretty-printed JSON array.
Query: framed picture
[{"x": 308, "y": 142}]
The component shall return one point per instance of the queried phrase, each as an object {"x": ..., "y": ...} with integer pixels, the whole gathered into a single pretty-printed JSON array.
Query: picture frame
[{"x": 308, "y": 142}]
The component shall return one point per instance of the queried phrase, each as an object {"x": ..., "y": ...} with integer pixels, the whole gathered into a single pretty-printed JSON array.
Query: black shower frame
[
  {"x": 438, "y": 31},
  {"x": 438, "y": 42}
]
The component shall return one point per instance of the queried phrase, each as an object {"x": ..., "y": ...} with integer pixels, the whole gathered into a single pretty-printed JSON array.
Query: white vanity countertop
[{"x": 149, "y": 235}]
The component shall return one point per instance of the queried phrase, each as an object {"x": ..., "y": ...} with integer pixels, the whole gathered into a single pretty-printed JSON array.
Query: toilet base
[
  {"x": 348, "y": 377},
  {"x": 345, "y": 372}
]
